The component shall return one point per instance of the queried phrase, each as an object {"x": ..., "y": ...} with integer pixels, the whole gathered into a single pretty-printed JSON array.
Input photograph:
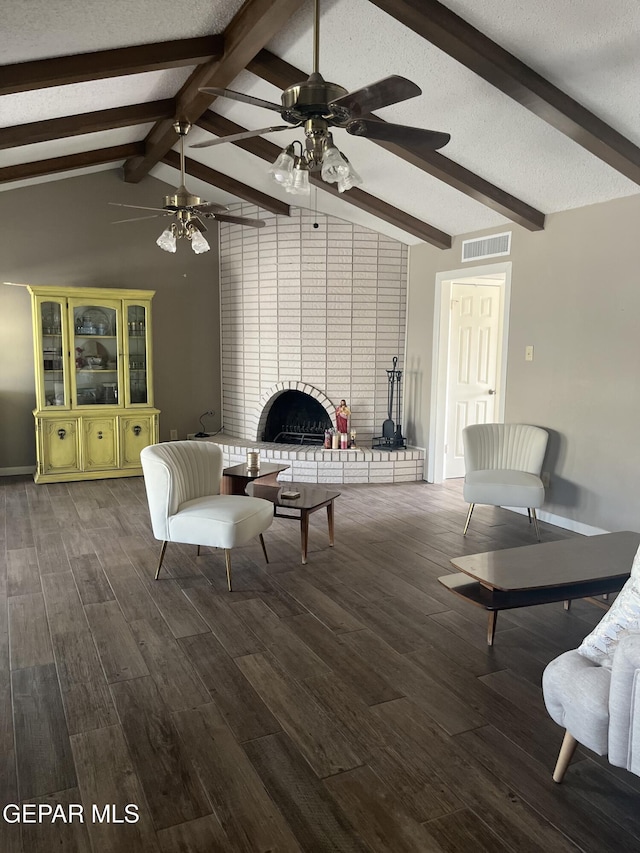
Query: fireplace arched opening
[{"x": 296, "y": 418}]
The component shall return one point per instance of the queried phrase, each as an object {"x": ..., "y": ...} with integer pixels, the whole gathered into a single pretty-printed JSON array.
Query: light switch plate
[{"x": 528, "y": 353}]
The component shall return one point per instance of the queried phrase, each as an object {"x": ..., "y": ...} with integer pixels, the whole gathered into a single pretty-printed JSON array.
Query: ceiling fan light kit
[{"x": 318, "y": 105}]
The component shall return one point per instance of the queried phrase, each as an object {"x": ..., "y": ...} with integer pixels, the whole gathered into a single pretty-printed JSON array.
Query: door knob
[{"x": 492, "y": 391}]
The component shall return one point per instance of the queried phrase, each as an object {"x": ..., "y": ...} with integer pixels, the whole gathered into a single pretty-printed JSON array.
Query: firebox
[{"x": 296, "y": 418}]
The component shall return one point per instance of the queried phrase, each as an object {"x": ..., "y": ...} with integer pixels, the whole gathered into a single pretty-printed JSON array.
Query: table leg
[
  {"x": 226, "y": 485},
  {"x": 330, "y": 522},
  {"x": 304, "y": 534},
  {"x": 491, "y": 627}
]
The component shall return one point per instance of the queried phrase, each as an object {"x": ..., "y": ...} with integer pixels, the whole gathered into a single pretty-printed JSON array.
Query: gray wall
[
  {"x": 576, "y": 297},
  {"x": 61, "y": 233}
]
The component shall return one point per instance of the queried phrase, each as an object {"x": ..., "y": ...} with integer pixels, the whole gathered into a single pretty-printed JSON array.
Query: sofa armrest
[{"x": 624, "y": 705}]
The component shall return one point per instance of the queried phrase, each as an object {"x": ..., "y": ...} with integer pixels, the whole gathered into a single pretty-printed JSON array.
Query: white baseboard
[
  {"x": 14, "y": 472},
  {"x": 560, "y": 521}
]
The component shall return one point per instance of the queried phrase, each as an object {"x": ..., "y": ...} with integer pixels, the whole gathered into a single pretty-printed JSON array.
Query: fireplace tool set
[{"x": 392, "y": 438}]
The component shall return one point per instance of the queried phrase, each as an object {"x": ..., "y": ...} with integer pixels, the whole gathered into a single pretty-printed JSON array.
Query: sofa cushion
[{"x": 622, "y": 618}]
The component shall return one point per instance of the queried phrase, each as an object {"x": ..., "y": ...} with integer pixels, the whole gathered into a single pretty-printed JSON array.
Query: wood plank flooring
[{"x": 350, "y": 704}]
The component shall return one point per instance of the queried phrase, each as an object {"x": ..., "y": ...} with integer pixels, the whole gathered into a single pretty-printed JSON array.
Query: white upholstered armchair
[
  {"x": 182, "y": 479},
  {"x": 503, "y": 464},
  {"x": 593, "y": 691},
  {"x": 598, "y": 706}
]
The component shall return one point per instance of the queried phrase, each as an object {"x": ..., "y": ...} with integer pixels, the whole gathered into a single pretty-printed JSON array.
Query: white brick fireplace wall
[{"x": 325, "y": 307}]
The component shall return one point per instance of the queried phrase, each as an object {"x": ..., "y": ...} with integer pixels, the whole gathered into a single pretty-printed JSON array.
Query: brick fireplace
[{"x": 317, "y": 310}]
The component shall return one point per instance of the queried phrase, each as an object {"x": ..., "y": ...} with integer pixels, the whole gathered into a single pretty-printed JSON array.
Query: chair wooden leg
[
  {"x": 162, "y": 550},
  {"x": 198, "y": 552},
  {"x": 227, "y": 560},
  {"x": 529, "y": 514},
  {"x": 264, "y": 549},
  {"x": 535, "y": 523},
  {"x": 567, "y": 749},
  {"x": 466, "y": 524}
]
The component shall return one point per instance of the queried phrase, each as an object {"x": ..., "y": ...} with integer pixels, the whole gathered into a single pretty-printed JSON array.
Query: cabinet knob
[
  {"x": 137, "y": 430},
  {"x": 61, "y": 433},
  {"x": 100, "y": 434}
]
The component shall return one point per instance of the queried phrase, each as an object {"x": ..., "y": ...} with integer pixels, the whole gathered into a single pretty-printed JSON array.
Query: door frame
[{"x": 440, "y": 355}]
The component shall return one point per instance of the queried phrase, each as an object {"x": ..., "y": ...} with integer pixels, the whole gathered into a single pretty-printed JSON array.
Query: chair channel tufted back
[
  {"x": 515, "y": 447},
  {"x": 175, "y": 472}
]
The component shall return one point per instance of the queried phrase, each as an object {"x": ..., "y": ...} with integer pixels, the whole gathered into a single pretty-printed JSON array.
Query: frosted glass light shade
[
  {"x": 351, "y": 179},
  {"x": 198, "y": 242},
  {"x": 300, "y": 182},
  {"x": 167, "y": 240},
  {"x": 282, "y": 169},
  {"x": 334, "y": 166}
]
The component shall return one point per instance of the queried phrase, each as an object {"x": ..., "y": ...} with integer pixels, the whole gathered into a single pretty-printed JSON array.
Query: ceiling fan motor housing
[
  {"x": 181, "y": 198},
  {"x": 309, "y": 99}
]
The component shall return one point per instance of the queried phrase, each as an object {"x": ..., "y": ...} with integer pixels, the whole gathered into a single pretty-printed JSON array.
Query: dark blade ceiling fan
[
  {"x": 318, "y": 105},
  {"x": 188, "y": 210}
]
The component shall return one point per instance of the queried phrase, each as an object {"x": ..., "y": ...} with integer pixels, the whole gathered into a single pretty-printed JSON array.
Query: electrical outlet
[
  {"x": 173, "y": 434},
  {"x": 546, "y": 479}
]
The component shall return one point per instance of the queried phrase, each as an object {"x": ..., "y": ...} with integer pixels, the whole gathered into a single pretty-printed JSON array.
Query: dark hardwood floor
[{"x": 347, "y": 705}]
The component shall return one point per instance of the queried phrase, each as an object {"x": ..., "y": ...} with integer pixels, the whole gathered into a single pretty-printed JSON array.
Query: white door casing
[
  {"x": 499, "y": 275},
  {"x": 474, "y": 361}
]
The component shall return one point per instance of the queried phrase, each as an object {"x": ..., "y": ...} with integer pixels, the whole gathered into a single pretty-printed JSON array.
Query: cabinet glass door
[
  {"x": 95, "y": 354},
  {"x": 137, "y": 328},
  {"x": 51, "y": 314}
]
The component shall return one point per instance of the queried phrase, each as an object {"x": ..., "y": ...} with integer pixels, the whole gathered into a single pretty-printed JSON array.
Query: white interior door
[{"x": 474, "y": 365}]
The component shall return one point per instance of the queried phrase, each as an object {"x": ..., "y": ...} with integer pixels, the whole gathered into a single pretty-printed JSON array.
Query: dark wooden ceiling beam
[
  {"x": 281, "y": 74},
  {"x": 78, "y": 68},
  {"x": 251, "y": 28},
  {"x": 464, "y": 43},
  {"x": 94, "y": 122},
  {"x": 229, "y": 185},
  {"x": 221, "y": 126},
  {"x": 69, "y": 162}
]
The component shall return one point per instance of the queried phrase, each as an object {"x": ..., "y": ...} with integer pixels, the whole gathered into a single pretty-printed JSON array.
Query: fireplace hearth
[{"x": 296, "y": 418}]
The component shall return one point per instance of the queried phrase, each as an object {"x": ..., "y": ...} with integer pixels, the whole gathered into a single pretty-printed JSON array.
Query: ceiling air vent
[{"x": 486, "y": 247}]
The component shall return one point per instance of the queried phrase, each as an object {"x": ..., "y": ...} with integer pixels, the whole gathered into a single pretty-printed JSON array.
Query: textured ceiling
[{"x": 585, "y": 47}]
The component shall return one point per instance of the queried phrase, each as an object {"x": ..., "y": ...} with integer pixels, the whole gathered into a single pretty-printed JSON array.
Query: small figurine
[
  {"x": 80, "y": 362},
  {"x": 342, "y": 417}
]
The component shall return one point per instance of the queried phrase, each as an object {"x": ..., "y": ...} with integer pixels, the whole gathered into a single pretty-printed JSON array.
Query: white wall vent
[{"x": 486, "y": 247}]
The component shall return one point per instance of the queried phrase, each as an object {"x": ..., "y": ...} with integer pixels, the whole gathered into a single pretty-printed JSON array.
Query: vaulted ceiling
[{"x": 542, "y": 101}]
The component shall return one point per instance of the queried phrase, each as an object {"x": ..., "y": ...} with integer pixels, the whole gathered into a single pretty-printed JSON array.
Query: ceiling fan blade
[
  {"x": 240, "y": 96},
  {"x": 236, "y": 137},
  {"x": 136, "y": 219},
  {"x": 240, "y": 220},
  {"x": 136, "y": 207},
  {"x": 208, "y": 207},
  {"x": 199, "y": 224},
  {"x": 409, "y": 137},
  {"x": 390, "y": 90}
]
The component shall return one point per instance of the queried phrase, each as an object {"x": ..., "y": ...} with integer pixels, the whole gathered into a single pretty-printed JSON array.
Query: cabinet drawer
[
  {"x": 59, "y": 445},
  {"x": 136, "y": 433},
  {"x": 100, "y": 449}
]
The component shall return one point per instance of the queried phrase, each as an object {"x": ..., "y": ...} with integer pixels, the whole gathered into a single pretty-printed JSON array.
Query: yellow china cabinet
[{"x": 94, "y": 391}]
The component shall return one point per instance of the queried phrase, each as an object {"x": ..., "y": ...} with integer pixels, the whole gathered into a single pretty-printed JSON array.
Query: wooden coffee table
[
  {"x": 538, "y": 574},
  {"x": 236, "y": 478},
  {"x": 312, "y": 498}
]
